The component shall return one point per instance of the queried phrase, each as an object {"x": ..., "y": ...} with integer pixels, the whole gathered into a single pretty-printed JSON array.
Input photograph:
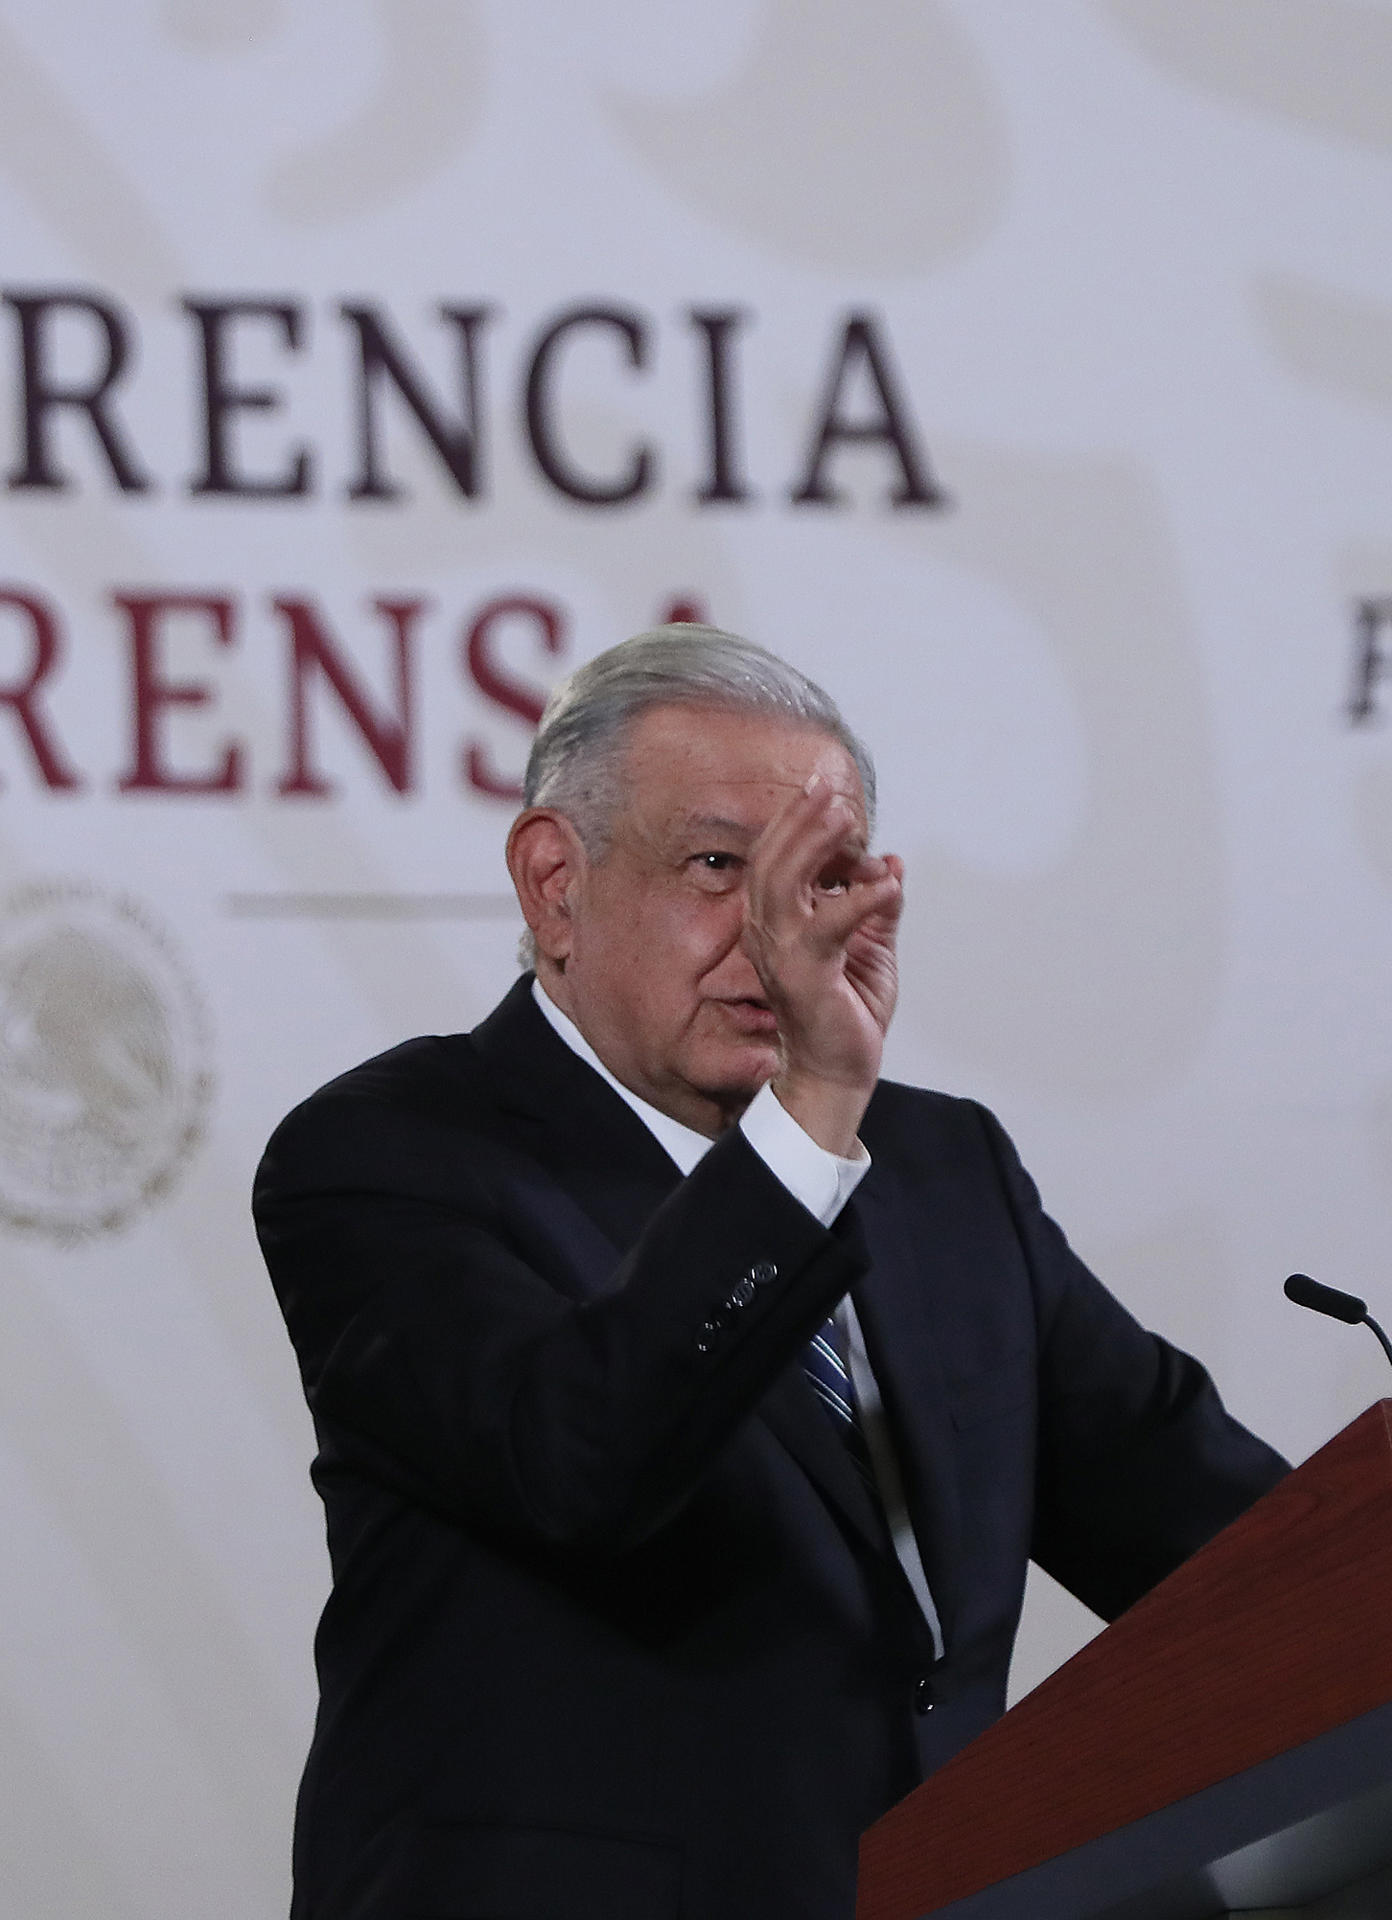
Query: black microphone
[
  {"x": 1339, "y": 1306},
  {"x": 1306, "y": 1292}
]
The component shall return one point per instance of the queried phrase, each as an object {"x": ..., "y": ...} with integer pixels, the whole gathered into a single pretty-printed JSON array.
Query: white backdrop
[{"x": 1109, "y": 281}]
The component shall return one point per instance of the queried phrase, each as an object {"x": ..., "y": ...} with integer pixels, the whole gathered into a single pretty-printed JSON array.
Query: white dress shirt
[{"x": 823, "y": 1182}]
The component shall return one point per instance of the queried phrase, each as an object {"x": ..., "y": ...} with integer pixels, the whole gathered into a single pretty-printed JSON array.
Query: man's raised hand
[{"x": 821, "y": 915}]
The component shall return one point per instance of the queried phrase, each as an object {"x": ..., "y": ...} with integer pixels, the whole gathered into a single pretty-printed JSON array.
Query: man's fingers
[
  {"x": 851, "y": 870},
  {"x": 802, "y": 834},
  {"x": 830, "y": 919},
  {"x": 838, "y": 915},
  {"x": 808, "y": 866},
  {"x": 808, "y": 846}
]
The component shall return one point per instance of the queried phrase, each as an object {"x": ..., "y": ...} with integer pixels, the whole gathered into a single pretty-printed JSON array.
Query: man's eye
[{"x": 717, "y": 863}]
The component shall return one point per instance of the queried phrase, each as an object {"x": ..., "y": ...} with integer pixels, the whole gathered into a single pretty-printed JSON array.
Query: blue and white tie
[{"x": 829, "y": 1379}]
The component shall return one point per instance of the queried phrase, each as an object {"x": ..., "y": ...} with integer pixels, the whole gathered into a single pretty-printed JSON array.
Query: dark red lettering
[
  {"x": 685, "y": 609},
  {"x": 152, "y": 693},
  {"x": 22, "y": 693},
  {"x": 497, "y": 684},
  {"x": 389, "y": 736}
]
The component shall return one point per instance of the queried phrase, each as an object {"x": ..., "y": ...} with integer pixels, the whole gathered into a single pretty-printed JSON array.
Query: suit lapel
[
  {"x": 894, "y": 1303},
  {"x": 589, "y": 1142},
  {"x": 593, "y": 1146},
  {"x": 791, "y": 1409}
]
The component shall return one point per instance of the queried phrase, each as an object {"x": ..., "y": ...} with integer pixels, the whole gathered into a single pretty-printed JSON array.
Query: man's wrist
[
  {"x": 821, "y": 1180},
  {"x": 827, "y": 1111}
]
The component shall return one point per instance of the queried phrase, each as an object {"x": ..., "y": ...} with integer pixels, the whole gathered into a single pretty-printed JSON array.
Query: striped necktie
[{"x": 829, "y": 1379}]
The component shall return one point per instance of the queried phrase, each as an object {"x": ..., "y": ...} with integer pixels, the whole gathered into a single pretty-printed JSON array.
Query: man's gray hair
[{"x": 576, "y": 762}]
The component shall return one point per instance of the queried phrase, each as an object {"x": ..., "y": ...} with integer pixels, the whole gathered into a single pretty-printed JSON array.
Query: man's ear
[{"x": 545, "y": 858}]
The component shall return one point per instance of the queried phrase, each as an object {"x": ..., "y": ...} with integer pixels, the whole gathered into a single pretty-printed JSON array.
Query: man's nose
[{"x": 737, "y": 973}]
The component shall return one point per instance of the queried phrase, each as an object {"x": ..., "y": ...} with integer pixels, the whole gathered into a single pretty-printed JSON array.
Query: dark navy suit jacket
[{"x": 616, "y": 1631}]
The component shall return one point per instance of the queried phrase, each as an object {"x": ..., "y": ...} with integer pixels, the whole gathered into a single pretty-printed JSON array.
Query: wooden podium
[{"x": 1226, "y": 1745}]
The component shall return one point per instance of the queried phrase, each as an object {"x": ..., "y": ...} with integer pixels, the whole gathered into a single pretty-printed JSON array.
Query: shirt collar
[{"x": 682, "y": 1144}]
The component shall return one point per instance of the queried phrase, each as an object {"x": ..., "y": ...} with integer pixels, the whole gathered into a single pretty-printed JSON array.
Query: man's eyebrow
[
  {"x": 717, "y": 823},
  {"x": 696, "y": 824}
]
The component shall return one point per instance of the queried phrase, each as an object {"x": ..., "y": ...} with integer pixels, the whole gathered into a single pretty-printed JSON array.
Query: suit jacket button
[
  {"x": 743, "y": 1293},
  {"x": 923, "y": 1696},
  {"x": 762, "y": 1273}
]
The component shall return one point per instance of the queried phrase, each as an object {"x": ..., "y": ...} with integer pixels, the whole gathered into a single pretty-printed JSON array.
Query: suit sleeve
[
  {"x": 1138, "y": 1462},
  {"x": 438, "y": 1359}
]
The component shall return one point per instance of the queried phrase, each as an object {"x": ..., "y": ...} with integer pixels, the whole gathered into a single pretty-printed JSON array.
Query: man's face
[{"x": 655, "y": 976}]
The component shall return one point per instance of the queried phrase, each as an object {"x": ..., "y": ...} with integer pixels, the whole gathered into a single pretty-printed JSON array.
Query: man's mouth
[{"x": 755, "y": 1017}]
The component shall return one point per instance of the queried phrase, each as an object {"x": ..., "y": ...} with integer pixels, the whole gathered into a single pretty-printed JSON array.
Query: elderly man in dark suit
[{"x": 689, "y": 1400}]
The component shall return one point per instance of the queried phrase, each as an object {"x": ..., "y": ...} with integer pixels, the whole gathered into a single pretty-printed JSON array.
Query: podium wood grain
[{"x": 1277, "y": 1631}]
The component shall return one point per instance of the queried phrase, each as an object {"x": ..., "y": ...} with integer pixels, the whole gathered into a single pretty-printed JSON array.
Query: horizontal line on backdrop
[{"x": 372, "y": 906}]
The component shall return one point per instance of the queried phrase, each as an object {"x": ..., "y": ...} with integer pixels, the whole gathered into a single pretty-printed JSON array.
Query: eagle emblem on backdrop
[{"x": 105, "y": 1080}]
